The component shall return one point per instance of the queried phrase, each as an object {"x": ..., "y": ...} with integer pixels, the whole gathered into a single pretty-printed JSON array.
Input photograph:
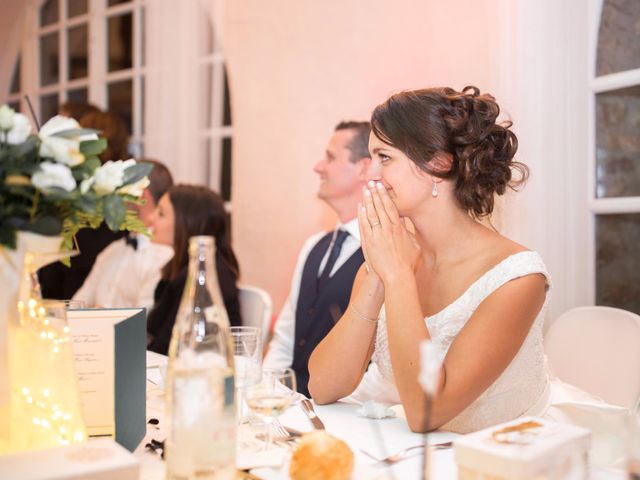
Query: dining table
[{"x": 366, "y": 437}]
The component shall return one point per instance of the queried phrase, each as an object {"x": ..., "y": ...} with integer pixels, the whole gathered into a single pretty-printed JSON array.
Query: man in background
[
  {"x": 127, "y": 271},
  {"x": 328, "y": 262}
]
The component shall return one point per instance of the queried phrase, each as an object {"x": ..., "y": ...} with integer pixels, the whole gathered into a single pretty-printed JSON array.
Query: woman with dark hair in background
[{"x": 185, "y": 211}]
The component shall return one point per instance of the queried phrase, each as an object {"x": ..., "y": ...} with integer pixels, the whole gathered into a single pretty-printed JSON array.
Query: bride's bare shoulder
[{"x": 496, "y": 248}]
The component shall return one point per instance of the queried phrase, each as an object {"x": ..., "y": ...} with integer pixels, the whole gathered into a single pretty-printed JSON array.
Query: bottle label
[
  {"x": 203, "y": 426},
  {"x": 229, "y": 391}
]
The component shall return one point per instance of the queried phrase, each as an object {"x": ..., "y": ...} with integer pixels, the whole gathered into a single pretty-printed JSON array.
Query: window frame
[
  {"x": 609, "y": 205},
  {"x": 98, "y": 78},
  {"x": 216, "y": 132}
]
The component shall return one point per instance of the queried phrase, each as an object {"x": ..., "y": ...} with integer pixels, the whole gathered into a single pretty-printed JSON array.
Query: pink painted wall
[
  {"x": 296, "y": 69},
  {"x": 11, "y": 24}
]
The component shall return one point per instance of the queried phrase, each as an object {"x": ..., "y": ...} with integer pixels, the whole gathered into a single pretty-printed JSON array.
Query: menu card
[{"x": 110, "y": 358}]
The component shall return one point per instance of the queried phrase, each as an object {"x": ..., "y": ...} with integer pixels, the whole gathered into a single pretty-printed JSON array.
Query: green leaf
[
  {"x": 46, "y": 225},
  {"x": 114, "y": 211},
  {"x": 58, "y": 193},
  {"x": 93, "y": 147},
  {"x": 75, "y": 132},
  {"x": 136, "y": 172},
  {"x": 87, "y": 203},
  {"x": 86, "y": 168},
  {"x": 28, "y": 148},
  {"x": 7, "y": 235}
]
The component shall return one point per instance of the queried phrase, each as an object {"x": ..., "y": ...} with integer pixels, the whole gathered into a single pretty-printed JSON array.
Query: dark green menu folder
[{"x": 117, "y": 338}]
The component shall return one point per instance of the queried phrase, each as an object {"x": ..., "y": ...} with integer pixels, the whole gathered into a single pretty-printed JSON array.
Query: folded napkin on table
[{"x": 371, "y": 409}]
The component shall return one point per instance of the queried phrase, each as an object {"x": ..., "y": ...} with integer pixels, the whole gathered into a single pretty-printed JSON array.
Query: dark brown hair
[
  {"x": 359, "y": 144},
  {"x": 113, "y": 128},
  {"x": 424, "y": 123},
  {"x": 76, "y": 110},
  {"x": 160, "y": 179},
  {"x": 197, "y": 211}
]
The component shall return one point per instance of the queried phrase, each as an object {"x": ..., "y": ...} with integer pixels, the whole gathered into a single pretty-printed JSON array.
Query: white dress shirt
[
  {"x": 124, "y": 277},
  {"x": 280, "y": 353}
]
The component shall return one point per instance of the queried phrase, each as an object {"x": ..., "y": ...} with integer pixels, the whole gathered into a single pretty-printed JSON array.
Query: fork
[
  {"x": 279, "y": 434},
  {"x": 402, "y": 454},
  {"x": 278, "y": 431}
]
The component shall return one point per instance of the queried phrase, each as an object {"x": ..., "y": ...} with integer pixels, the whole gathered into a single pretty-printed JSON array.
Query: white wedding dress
[{"x": 524, "y": 388}]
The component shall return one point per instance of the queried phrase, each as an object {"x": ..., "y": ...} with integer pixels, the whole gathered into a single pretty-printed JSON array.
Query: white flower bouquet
[{"x": 53, "y": 183}]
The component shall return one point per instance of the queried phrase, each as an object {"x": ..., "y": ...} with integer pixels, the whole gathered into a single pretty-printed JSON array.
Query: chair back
[
  {"x": 255, "y": 308},
  {"x": 597, "y": 349}
]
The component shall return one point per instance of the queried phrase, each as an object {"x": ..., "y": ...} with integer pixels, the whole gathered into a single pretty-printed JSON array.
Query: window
[
  {"x": 87, "y": 51},
  {"x": 63, "y": 56},
  {"x": 215, "y": 114},
  {"x": 615, "y": 166},
  {"x": 94, "y": 51}
]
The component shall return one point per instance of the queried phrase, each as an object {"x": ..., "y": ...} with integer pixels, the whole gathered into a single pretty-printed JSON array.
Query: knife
[{"x": 307, "y": 408}]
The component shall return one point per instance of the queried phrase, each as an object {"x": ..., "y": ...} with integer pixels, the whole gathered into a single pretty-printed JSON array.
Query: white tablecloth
[{"x": 378, "y": 437}]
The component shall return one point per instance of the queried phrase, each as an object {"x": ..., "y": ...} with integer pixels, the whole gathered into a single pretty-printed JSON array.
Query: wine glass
[
  {"x": 272, "y": 396},
  {"x": 247, "y": 356}
]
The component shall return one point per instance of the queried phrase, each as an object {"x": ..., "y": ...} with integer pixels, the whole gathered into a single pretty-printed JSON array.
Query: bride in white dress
[{"x": 434, "y": 271}]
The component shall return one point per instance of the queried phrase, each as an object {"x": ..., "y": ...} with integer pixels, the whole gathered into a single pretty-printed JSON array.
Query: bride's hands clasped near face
[{"x": 388, "y": 245}]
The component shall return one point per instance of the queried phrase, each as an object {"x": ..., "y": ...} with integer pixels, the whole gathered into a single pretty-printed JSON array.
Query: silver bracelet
[{"x": 363, "y": 317}]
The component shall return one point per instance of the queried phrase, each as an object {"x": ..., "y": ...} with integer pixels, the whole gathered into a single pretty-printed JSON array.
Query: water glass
[{"x": 247, "y": 351}]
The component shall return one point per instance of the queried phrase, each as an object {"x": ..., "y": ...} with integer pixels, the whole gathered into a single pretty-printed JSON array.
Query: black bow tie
[{"x": 132, "y": 241}]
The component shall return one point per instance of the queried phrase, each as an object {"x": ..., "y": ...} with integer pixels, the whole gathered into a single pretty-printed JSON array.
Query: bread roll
[{"x": 320, "y": 456}]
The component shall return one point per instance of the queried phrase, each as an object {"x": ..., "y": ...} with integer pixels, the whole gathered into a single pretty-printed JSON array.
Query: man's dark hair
[
  {"x": 359, "y": 144},
  {"x": 160, "y": 179}
]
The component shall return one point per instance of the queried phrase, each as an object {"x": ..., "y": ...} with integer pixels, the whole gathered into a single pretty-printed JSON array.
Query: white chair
[
  {"x": 255, "y": 308},
  {"x": 597, "y": 349}
]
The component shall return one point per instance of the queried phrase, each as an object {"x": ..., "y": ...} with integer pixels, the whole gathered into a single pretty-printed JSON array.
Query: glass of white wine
[{"x": 272, "y": 396}]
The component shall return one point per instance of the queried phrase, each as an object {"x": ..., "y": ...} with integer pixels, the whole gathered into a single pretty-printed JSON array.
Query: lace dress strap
[{"x": 514, "y": 266}]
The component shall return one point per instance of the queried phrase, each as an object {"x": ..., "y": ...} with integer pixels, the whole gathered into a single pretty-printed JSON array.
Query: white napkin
[
  {"x": 273, "y": 457},
  {"x": 371, "y": 409}
]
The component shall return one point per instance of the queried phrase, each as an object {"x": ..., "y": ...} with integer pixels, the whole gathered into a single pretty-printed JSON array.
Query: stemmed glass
[
  {"x": 272, "y": 396},
  {"x": 247, "y": 351}
]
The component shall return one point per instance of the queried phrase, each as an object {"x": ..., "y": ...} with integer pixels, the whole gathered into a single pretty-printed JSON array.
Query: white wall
[{"x": 298, "y": 67}]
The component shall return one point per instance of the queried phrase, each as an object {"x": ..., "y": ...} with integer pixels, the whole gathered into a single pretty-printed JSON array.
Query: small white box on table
[
  {"x": 523, "y": 449},
  {"x": 99, "y": 459}
]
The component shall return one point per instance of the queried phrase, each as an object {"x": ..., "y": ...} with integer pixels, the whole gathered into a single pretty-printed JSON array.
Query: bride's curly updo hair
[{"x": 423, "y": 123}]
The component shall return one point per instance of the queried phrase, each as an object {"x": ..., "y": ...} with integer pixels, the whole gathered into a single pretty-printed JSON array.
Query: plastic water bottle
[{"x": 200, "y": 386}]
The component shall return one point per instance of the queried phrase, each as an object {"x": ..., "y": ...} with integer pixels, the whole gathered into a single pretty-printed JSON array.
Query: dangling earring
[{"x": 434, "y": 191}]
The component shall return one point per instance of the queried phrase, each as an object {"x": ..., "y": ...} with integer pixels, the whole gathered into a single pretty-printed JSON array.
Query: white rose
[
  {"x": 110, "y": 176},
  {"x": 61, "y": 149},
  {"x": 86, "y": 184},
  {"x": 21, "y": 129},
  {"x": 15, "y": 124},
  {"x": 53, "y": 175},
  {"x": 136, "y": 188},
  {"x": 6, "y": 117}
]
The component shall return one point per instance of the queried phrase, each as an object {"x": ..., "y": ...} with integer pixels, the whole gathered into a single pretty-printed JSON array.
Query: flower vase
[{"x": 39, "y": 399}]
